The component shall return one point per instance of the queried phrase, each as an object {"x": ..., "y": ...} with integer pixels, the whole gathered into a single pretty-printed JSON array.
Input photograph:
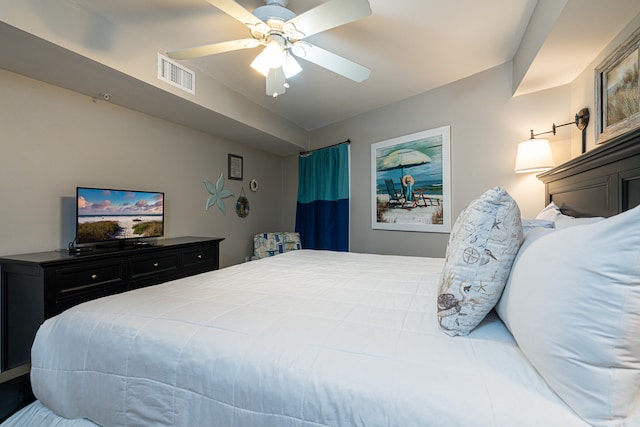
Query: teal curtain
[{"x": 322, "y": 213}]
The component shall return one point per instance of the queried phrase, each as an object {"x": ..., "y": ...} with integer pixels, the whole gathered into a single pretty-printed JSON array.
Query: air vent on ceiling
[{"x": 176, "y": 75}]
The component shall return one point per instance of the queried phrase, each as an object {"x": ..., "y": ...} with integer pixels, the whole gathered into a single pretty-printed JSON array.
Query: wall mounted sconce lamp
[{"x": 534, "y": 155}]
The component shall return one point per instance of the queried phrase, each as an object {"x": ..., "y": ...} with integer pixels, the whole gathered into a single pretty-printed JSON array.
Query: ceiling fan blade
[
  {"x": 276, "y": 82},
  {"x": 211, "y": 49},
  {"x": 331, "y": 61},
  {"x": 238, "y": 12},
  {"x": 329, "y": 15}
]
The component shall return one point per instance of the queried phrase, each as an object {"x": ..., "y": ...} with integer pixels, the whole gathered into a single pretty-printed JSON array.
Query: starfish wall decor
[{"x": 218, "y": 194}]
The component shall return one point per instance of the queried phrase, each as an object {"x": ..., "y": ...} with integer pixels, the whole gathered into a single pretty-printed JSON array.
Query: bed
[{"x": 318, "y": 338}]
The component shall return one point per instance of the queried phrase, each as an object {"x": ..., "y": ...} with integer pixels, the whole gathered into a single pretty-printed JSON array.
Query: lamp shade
[{"x": 534, "y": 155}]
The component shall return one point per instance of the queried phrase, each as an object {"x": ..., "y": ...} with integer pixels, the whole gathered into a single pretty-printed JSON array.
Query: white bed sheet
[{"x": 306, "y": 338}]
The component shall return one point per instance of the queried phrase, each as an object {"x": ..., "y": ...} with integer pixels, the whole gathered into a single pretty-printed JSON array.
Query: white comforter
[{"x": 306, "y": 338}]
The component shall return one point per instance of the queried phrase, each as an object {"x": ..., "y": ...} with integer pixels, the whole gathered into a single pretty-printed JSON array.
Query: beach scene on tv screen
[{"x": 113, "y": 214}]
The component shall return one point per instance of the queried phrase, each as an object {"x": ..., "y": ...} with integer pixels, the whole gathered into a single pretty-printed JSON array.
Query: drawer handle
[
  {"x": 199, "y": 256},
  {"x": 155, "y": 264},
  {"x": 94, "y": 276}
]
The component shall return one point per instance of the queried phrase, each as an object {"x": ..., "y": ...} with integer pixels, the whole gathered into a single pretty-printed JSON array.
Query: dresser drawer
[
  {"x": 153, "y": 265},
  {"x": 200, "y": 257},
  {"x": 90, "y": 278},
  {"x": 37, "y": 286}
]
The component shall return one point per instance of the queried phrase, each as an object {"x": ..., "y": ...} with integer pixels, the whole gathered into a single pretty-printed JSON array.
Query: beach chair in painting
[
  {"x": 396, "y": 198},
  {"x": 430, "y": 201},
  {"x": 411, "y": 197}
]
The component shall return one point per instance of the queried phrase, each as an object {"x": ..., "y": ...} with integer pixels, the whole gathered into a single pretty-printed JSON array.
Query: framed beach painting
[
  {"x": 411, "y": 182},
  {"x": 618, "y": 91}
]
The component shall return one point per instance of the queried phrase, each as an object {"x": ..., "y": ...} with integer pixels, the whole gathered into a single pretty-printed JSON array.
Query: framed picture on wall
[
  {"x": 235, "y": 167},
  {"x": 618, "y": 91},
  {"x": 411, "y": 182}
]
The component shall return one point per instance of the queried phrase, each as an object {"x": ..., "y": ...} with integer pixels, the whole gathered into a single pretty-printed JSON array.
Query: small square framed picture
[{"x": 235, "y": 167}]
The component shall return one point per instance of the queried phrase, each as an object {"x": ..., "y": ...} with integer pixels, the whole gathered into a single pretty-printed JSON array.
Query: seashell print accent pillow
[{"x": 483, "y": 244}]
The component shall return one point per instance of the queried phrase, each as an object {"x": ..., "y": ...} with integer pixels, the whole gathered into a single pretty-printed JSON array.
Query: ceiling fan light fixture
[
  {"x": 274, "y": 53},
  {"x": 272, "y": 56},
  {"x": 261, "y": 64},
  {"x": 290, "y": 66}
]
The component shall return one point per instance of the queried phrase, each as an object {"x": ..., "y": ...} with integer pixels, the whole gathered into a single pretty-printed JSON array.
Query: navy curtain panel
[{"x": 322, "y": 213}]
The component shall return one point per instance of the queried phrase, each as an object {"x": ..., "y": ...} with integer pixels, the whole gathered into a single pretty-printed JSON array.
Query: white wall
[
  {"x": 486, "y": 123},
  {"x": 54, "y": 140}
]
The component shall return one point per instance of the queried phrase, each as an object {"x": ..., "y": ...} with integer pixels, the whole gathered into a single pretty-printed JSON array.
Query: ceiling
[{"x": 411, "y": 46}]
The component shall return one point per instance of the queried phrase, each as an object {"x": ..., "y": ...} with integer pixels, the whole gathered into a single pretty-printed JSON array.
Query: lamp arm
[{"x": 581, "y": 121}]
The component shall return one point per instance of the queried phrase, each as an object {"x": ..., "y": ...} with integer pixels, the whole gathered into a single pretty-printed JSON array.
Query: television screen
[{"x": 107, "y": 214}]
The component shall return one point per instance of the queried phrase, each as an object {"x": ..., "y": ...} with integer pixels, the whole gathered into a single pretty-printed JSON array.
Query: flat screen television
[{"x": 105, "y": 214}]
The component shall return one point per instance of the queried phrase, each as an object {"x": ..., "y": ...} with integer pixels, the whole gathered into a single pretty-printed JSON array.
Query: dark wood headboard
[{"x": 601, "y": 182}]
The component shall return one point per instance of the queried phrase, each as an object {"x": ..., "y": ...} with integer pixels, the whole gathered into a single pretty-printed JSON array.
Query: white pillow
[
  {"x": 529, "y": 224},
  {"x": 573, "y": 306},
  {"x": 572, "y": 222},
  {"x": 483, "y": 243},
  {"x": 530, "y": 237},
  {"x": 552, "y": 213}
]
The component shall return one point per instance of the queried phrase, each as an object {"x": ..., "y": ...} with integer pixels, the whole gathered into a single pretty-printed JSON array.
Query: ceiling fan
[{"x": 282, "y": 32}]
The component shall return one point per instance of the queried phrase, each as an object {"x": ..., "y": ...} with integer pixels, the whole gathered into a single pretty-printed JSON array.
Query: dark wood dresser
[{"x": 34, "y": 287}]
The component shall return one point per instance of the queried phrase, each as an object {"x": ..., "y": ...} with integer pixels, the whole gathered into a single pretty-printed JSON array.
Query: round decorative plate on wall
[{"x": 253, "y": 185}]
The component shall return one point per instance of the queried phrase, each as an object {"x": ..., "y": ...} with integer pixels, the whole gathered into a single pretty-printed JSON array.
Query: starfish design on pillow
[{"x": 218, "y": 194}]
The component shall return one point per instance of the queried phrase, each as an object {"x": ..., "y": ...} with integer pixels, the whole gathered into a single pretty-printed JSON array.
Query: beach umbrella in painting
[{"x": 401, "y": 159}]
